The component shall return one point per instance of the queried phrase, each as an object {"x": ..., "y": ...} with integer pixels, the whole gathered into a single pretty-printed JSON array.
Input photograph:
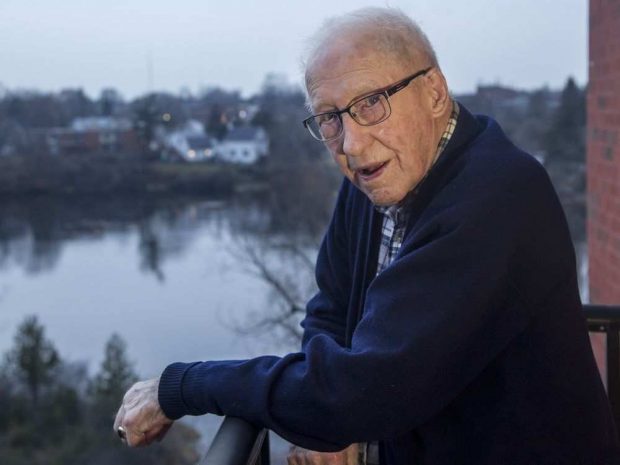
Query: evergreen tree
[
  {"x": 115, "y": 376},
  {"x": 565, "y": 139},
  {"x": 56, "y": 431},
  {"x": 33, "y": 359}
]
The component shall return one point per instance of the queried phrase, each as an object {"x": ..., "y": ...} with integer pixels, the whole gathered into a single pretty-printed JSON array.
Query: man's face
[{"x": 387, "y": 160}]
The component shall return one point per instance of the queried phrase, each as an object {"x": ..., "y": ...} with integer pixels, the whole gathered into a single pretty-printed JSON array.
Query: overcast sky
[{"x": 50, "y": 45}]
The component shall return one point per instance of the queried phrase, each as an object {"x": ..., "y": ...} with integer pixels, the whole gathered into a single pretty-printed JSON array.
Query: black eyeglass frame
[{"x": 387, "y": 92}]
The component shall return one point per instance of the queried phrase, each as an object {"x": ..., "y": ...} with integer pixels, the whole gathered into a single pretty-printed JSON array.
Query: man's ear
[{"x": 439, "y": 94}]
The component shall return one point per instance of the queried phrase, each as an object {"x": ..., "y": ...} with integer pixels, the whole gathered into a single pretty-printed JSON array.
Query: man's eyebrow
[
  {"x": 368, "y": 93},
  {"x": 320, "y": 109}
]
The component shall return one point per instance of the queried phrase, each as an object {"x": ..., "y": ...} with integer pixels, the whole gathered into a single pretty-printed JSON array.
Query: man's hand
[
  {"x": 299, "y": 456},
  {"x": 141, "y": 416}
]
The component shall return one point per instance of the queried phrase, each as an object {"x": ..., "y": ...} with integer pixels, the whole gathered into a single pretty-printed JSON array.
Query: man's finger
[
  {"x": 163, "y": 432},
  {"x": 352, "y": 454},
  {"x": 320, "y": 458},
  {"x": 301, "y": 456},
  {"x": 135, "y": 438},
  {"x": 293, "y": 456},
  {"x": 155, "y": 434}
]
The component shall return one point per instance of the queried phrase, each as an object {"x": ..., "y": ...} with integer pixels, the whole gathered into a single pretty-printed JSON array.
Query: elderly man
[{"x": 447, "y": 328}]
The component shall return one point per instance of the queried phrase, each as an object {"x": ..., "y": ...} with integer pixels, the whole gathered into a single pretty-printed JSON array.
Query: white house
[
  {"x": 244, "y": 145},
  {"x": 190, "y": 143}
]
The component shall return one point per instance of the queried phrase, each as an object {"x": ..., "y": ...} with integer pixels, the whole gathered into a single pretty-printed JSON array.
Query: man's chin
[{"x": 382, "y": 197}]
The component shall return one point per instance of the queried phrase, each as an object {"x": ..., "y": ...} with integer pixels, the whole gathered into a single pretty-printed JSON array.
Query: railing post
[
  {"x": 238, "y": 442},
  {"x": 604, "y": 318},
  {"x": 265, "y": 453},
  {"x": 613, "y": 367}
]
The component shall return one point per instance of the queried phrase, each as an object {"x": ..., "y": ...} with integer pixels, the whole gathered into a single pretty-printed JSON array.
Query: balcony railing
[
  {"x": 237, "y": 442},
  {"x": 606, "y": 319}
]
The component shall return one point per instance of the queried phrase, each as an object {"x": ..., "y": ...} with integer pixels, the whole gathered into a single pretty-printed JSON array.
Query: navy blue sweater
[{"x": 470, "y": 348}]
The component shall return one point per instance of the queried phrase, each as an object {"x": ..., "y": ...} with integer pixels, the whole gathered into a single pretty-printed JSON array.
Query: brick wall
[
  {"x": 603, "y": 161},
  {"x": 603, "y": 146}
]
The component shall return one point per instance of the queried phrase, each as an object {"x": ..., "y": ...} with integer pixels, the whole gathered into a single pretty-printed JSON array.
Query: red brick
[{"x": 603, "y": 147}]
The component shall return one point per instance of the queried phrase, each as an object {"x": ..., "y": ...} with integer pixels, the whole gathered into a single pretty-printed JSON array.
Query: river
[{"x": 177, "y": 279}]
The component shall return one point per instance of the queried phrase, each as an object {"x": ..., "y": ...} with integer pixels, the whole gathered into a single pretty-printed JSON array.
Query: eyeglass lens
[{"x": 367, "y": 111}]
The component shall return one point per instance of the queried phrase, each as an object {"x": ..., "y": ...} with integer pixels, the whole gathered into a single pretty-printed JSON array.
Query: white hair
[{"x": 388, "y": 30}]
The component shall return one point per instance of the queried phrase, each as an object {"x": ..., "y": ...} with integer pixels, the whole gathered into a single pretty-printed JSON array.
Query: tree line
[
  {"x": 26, "y": 168},
  {"x": 53, "y": 413}
]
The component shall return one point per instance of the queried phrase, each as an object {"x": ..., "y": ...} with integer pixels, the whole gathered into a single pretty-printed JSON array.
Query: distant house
[
  {"x": 244, "y": 145},
  {"x": 194, "y": 148},
  {"x": 92, "y": 134},
  {"x": 189, "y": 143}
]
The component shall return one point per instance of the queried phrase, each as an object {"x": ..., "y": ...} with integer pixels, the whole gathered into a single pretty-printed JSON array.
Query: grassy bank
[{"x": 106, "y": 174}]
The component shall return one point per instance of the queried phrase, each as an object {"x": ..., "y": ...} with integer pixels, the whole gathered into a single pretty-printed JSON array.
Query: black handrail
[
  {"x": 238, "y": 442},
  {"x": 606, "y": 319}
]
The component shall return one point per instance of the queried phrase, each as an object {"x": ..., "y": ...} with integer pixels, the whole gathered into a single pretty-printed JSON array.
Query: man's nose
[{"x": 354, "y": 137}]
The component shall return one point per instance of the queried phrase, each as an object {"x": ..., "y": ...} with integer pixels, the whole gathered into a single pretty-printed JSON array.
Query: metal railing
[
  {"x": 606, "y": 319},
  {"x": 238, "y": 442}
]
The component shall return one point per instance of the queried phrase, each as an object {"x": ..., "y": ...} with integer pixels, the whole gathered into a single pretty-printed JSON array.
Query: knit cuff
[{"x": 170, "y": 392}]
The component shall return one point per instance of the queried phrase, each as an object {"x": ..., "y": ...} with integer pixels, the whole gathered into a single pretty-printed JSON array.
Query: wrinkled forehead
[
  {"x": 347, "y": 68},
  {"x": 348, "y": 51}
]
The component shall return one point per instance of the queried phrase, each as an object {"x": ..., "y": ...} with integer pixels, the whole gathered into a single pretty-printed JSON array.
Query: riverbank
[{"x": 118, "y": 174}]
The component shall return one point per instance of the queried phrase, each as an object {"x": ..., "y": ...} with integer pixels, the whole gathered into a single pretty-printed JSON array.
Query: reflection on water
[
  {"x": 173, "y": 277},
  {"x": 178, "y": 279}
]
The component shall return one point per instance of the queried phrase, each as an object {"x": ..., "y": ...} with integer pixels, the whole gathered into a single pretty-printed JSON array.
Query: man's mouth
[{"x": 371, "y": 171}]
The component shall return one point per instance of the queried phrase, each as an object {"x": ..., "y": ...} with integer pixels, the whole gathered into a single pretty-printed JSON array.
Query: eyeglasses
[{"x": 365, "y": 111}]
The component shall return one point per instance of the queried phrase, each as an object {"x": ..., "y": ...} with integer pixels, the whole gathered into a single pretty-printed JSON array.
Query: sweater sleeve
[{"x": 433, "y": 320}]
